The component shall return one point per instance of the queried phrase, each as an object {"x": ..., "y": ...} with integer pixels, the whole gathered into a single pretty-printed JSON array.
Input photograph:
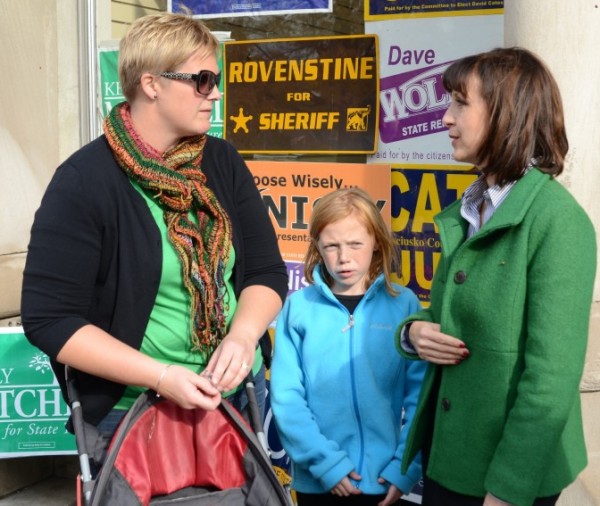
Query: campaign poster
[
  {"x": 33, "y": 412},
  {"x": 111, "y": 92},
  {"x": 231, "y": 8},
  {"x": 290, "y": 190},
  {"x": 387, "y": 9},
  {"x": 414, "y": 53},
  {"x": 418, "y": 193},
  {"x": 305, "y": 95}
]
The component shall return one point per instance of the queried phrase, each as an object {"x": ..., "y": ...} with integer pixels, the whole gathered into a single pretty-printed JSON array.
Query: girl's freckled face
[{"x": 347, "y": 247}]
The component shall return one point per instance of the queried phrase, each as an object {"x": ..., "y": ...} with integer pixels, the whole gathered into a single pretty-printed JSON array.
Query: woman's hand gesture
[{"x": 435, "y": 346}]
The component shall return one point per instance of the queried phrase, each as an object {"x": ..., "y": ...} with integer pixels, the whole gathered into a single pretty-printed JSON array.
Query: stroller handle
[
  {"x": 255, "y": 417},
  {"x": 78, "y": 426}
]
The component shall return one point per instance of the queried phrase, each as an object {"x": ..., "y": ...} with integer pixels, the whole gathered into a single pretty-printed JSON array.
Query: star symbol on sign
[{"x": 241, "y": 121}]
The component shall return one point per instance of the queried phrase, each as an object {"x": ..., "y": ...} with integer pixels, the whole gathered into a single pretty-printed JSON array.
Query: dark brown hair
[
  {"x": 526, "y": 118},
  {"x": 336, "y": 206}
]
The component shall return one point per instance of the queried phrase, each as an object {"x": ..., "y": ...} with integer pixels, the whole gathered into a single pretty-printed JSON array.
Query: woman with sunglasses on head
[
  {"x": 499, "y": 418},
  {"x": 152, "y": 261}
]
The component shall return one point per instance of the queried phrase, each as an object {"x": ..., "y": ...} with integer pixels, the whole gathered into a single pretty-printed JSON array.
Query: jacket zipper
[
  {"x": 359, "y": 465},
  {"x": 350, "y": 324}
]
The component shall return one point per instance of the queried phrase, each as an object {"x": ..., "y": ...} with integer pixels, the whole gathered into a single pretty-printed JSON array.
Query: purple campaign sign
[
  {"x": 296, "y": 280},
  {"x": 216, "y": 8},
  {"x": 412, "y": 104},
  {"x": 430, "y": 7}
]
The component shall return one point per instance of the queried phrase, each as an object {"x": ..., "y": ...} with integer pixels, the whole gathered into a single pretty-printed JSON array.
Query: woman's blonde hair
[
  {"x": 160, "y": 43},
  {"x": 336, "y": 206}
]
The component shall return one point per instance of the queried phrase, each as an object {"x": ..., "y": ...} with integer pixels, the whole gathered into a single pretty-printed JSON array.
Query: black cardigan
[{"x": 95, "y": 255}]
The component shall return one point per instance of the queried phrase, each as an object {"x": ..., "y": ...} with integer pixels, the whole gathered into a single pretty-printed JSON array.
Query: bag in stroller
[{"x": 162, "y": 454}]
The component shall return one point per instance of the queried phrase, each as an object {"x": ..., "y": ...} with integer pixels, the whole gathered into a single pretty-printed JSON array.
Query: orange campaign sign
[
  {"x": 306, "y": 95},
  {"x": 290, "y": 190}
]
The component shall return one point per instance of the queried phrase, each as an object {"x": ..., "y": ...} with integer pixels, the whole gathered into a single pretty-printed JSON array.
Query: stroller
[{"x": 162, "y": 454}]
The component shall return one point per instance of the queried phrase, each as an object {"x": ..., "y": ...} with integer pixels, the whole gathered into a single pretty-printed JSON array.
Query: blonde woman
[{"x": 152, "y": 261}]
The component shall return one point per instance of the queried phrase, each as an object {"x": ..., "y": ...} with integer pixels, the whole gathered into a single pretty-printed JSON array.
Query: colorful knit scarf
[{"x": 177, "y": 182}]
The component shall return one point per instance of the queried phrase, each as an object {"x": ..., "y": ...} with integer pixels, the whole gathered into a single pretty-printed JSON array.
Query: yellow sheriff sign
[{"x": 306, "y": 95}]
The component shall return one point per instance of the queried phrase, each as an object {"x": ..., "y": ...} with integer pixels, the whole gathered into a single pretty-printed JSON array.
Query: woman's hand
[
  {"x": 345, "y": 488},
  {"x": 231, "y": 361},
  {"x": 92, "y": 350},
  {"x": 490, "y": 500},
  {"x": 392, "y": 496},
  {"x": 435, "y": 346},
  {"x": 187, "y": 388}
]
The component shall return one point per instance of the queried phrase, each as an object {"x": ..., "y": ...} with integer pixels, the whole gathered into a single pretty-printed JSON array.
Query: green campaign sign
[
  {"x": 33, "y": 412},
  {"x": 111, "y": 93}
]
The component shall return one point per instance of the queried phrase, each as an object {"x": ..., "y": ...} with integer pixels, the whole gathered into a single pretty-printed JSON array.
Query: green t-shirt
[{"x": 167, "y": 335}]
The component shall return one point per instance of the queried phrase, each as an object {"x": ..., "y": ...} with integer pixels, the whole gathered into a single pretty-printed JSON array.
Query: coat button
[
  {"x": 460, "y": 277},
  {"x": 445, "y": 404}
]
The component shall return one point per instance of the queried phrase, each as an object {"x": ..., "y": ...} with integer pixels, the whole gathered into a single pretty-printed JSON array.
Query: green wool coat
[{"x": 518, "y": 293}]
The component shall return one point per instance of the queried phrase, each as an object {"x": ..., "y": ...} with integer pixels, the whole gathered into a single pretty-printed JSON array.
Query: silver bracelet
[{"x": 160, "y": 378}]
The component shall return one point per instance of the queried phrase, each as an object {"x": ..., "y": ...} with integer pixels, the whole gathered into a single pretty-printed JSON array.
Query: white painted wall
[
  {"x": 39, "y": 117},
  {"x": 567, "y": 36},
  {"x": 38, "y": 120}
]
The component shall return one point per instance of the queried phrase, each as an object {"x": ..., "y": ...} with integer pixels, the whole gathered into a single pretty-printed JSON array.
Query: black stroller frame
[{"x": 225, "y": 428}]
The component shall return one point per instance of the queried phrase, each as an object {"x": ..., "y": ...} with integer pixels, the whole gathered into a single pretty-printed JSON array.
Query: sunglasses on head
[{"x": 205, "y": 80}]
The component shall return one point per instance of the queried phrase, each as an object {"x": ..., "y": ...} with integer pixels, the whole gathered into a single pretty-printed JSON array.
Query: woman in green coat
[{"x": 499, "y": 418}]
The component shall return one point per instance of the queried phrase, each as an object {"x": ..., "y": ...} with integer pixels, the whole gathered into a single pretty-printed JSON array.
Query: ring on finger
[{"x": 244, "y": 366}]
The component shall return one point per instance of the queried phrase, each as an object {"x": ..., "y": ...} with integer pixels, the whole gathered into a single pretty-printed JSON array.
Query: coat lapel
[{"x": 453, "y": 227}]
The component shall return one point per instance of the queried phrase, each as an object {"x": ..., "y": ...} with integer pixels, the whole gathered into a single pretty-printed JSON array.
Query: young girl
[
  {"x": 499, "y": 416},
  {"x": 338, "y": 387}
]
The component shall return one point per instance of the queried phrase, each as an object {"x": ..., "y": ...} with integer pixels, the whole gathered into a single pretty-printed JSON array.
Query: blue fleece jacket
[{"x": 340, "y": 392}]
